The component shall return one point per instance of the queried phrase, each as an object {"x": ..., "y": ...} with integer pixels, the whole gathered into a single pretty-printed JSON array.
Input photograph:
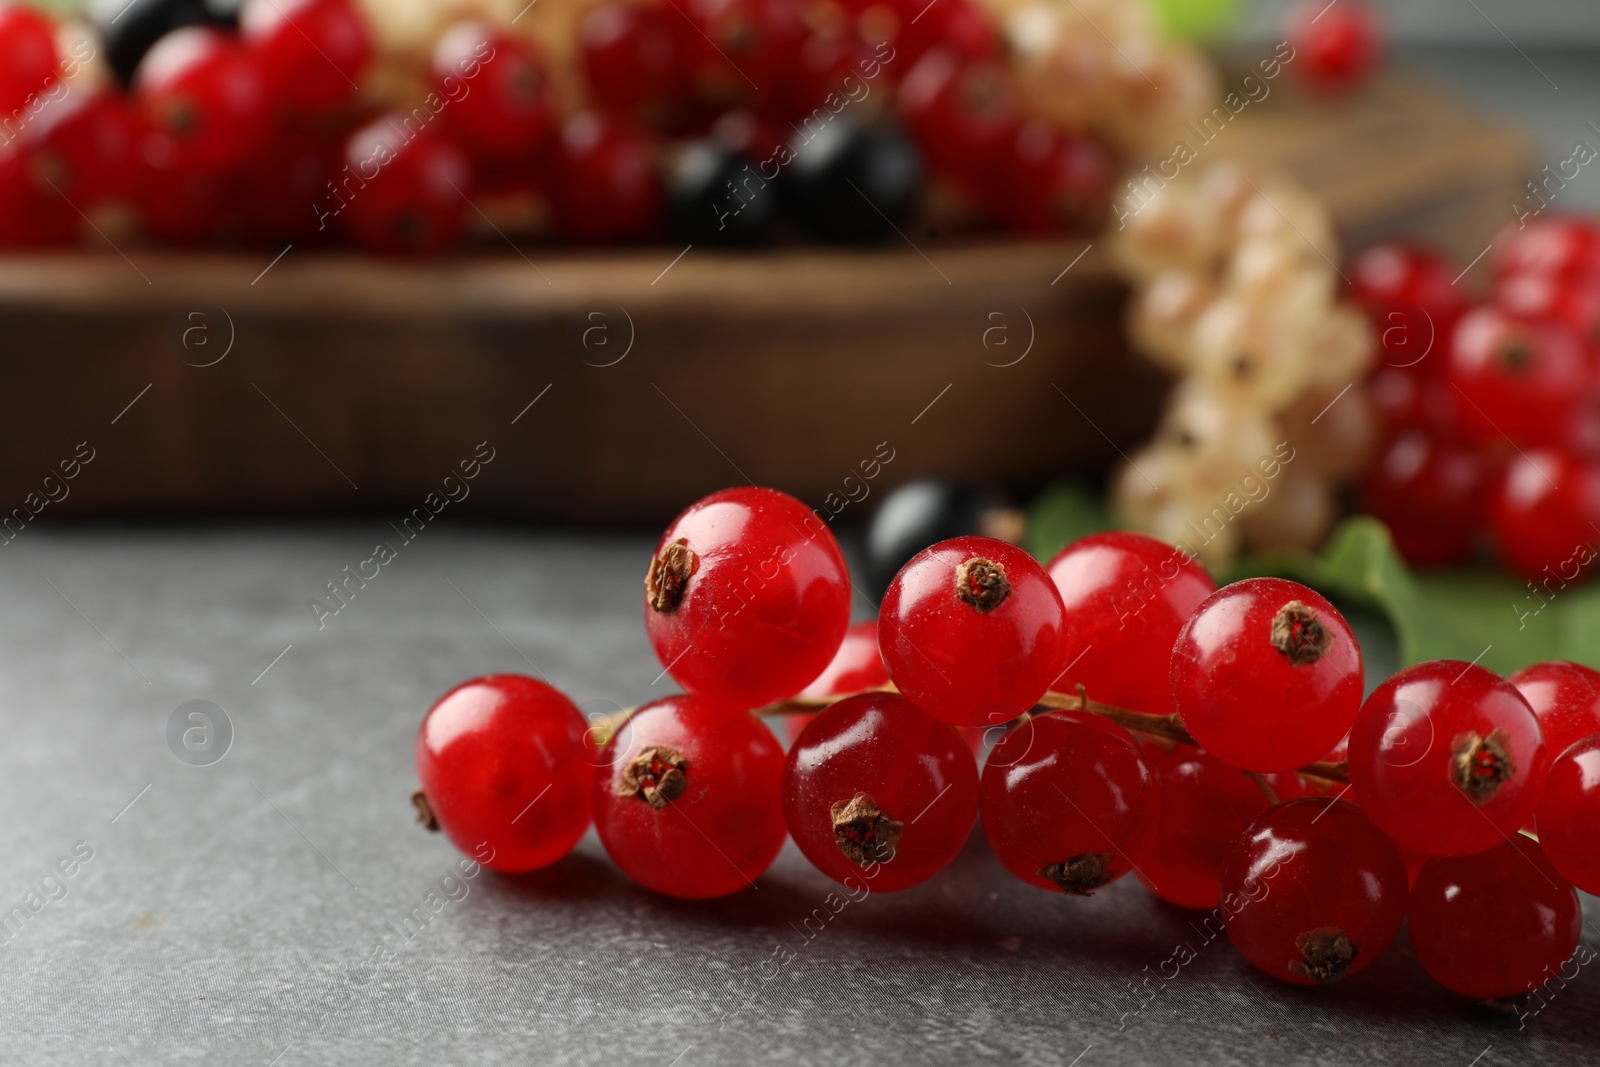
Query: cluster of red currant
[
  {"x": 648, "y": 118},
  {"x": 1219, "y": 791},
  {"x": 1492, "y": 412}
]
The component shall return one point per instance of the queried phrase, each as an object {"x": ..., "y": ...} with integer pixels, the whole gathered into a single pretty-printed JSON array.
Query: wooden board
[{"x": 358, "y": 384}]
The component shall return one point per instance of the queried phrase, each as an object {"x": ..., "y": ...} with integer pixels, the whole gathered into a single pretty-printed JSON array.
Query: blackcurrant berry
[
  {"x": 851, "y": 184},
  {"x": 717, "y": 197},
  {"x": 129, "y": 28}
]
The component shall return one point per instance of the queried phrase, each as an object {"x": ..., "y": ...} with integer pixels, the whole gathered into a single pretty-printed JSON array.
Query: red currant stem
[
  {"x": 1168, "y": 727},
  {"x": 1265, "y": 786}
]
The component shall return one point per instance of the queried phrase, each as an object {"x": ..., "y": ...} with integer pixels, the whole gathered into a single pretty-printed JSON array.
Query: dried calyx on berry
[
  {"x": 1299, "y": 634},
  {"x": 1326, "y": 954},
  {"x": 863, "y": 833},
  {"x": 669, "y": 574},
  {"x": 1482, "y": 764},
  {"x": 982, "y": 583},
  {"x": 657, "y": 776},
  {"x": 1081, "y": 875}
]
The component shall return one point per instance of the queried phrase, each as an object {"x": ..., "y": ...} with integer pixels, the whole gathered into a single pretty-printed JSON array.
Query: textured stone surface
[{"x": 244, "y": 911}]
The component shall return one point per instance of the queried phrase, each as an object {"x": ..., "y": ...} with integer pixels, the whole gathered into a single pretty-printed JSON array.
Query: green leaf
[{"x": 1063, "y": 513}]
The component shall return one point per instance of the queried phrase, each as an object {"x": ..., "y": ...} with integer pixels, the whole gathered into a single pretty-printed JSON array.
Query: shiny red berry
[
  {"x": 31, "y": 213},
  {"x": 85, "y": 147},
  {"x": 687, "y": 799},
  {"x": 1312, "y": 892},
  {"x": 27, "y": 57},
  {"x": 501, "y": 105},
  {"x": 632, "y": 59},
  {"x": 1447, "y": 758},
  {"x": 1517, "y": 380},
  {"x": 1569, "y": 811},
  {"x": 1050, "y": 181},
  {"x": 404, "y": 189},
  {"x": 1574, "y": 303},
  {"x": 1068, "y": 802},
  {"x": 1493, "y": 925},
  {"x": 739, "y": 50},
  {"x": 1565, "y": 247},
  {"x": 1205, "y": 806},
  {"x": 177, "y": 204},
  {"x": 1337, "y": 45},
  {"x": 972, "y": 630},
  {"x": 1432, "y": 493},
  {"x": 1543, "y": 511},
  {"x": 1266, "y": 675},
  {"x": 206, "y": 91},
  {"x": 605, "y": 186},
  {"x": 747, "y": 597},
  {"x": 858, "y": 665},
  {"x": 964, "y": 116},
  {"x": 1126, "y": 597},
  {"x": 1411, "y": 297},
  {"x": 878, "y": 792},
  {"x": 312, "y": 53},
  {"x": 506, "y": 765},
  {"x": 1565, "y": 697}
]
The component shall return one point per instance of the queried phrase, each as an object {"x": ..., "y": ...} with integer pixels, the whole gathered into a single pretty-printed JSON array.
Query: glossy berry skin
[
  {"x": 1408, "y": 294},
  {"x": 1493, "y": 925},
  {"x": 856, "y": 666},
  {"x": 1565, "y": 697},
  {"x": 852, "y": 184},
  {"x": 1313, "y": 892},
  {"x": 1542, "y": 511},
  {"x": 1573, "y": 302},
  {"x": 414, "y": 198},
  {"x": 506, "y": 765},
  {"x": 1447, "y": 758},
  {"x": 920, "y": 785},
  {"x": 1569, "y": 811},
  {"x": 747, "y": 597},
  {"x": 1205, "y": 806},
  {"x": 178, "y": 205},
  {"x": 1516, "y": 379},
  {"x": 1565, "y": 247},
  {"x": 1337, "y": 45},
  {"x": 501, "y": 107},
  {"x": 27, "y": 56},
  {"x": 32, "y": 214},
  {"x": 964, "y": 116},
  {"x": 919, "y": 513},
  {"x": 1126, "y": 597},
  {"x": 971, "y": 631},
  {"x": 1052, "y": 182},
  {"x": 605, "y": 186},
  {"x": 632, "y": 61},
  {"x": 312, "y": 52},
  {"x": 84, "y": 144},
  {"x": 716, "y": 823},
  {"x": 1068, "y": 802},
  {"x": 206, "y": 91},
  {"x": 1266, "y": 675},
  {"x": 129, "y": 30},
  {"x": 1432, "y": 494},
  {"x": 717, "y": 198},
  {"x": 739, "y": 50}
]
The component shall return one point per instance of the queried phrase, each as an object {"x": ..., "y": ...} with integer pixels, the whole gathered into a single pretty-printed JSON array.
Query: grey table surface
[{"x": 253, "y": 911}]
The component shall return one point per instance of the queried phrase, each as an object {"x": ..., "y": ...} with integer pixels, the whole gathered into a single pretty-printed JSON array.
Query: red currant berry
[
  {"x": 1338, "y": 44},
  {"x": 856, "y": 666},
  {"x": 311, "y": 51},
  {"x": 965, "y": 28},
  {"x": 203, "y": 89},
  {"x": 27, "y": 56},
  {"x": 1447, "y": 758},
  {"x": 1406, "y": 400},
  {"x": 1205, "y": 806},
  {"x": 1493, "y": 925},
  {"x": 509, "y": 109},
  {"x": 963, "y": 116},
  {"x": 177, "y": 204},
  {"x": 1569, "y": 811},
  {"x": 1516, "y": 379},
  {"x": 605, "y": 185},
  {"x": 687, "y": 800},
  {"x": 85, "y": 145},
  {"x": 1266, "y": 675},
  {"x": 1574, "y": 303},
  {"x": 747, "y": 597},
  {"x": 971, "y": 631},
  {"x": 1320, "y": 891},
  {"x": 1559, "y": 246},
  {"x": 1068, "y": 802},
  {"x": 1565, "y": 697},
  {"x": 1431, "y": 493},
  {"x": 875, "y": 781},
  {"x": 1053, "y": 182},
  {"x": 284, "y": 185},
  {"x": 506, "y": 765},
  {"x": 407, "y": 189},
  {"x": 1410, "y": 295},
  {"x": 740, "y": 50},
  {"x": 1543, "y": 512},
  {"x": 827, "y": 61},
  {"x": 632, "y": 60},
  {"x": 31, "y": 213},
  {"x": 1126, "y": 597}
]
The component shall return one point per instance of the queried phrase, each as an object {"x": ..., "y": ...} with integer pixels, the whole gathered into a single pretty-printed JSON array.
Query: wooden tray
[{"x": 356, "y": 384}]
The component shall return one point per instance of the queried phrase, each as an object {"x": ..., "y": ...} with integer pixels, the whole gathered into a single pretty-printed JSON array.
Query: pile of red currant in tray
[
  {"x": 720, "y": 122},
  {"x": 1214, "y": 742},
  {"x": 1492, "y": 411}
]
